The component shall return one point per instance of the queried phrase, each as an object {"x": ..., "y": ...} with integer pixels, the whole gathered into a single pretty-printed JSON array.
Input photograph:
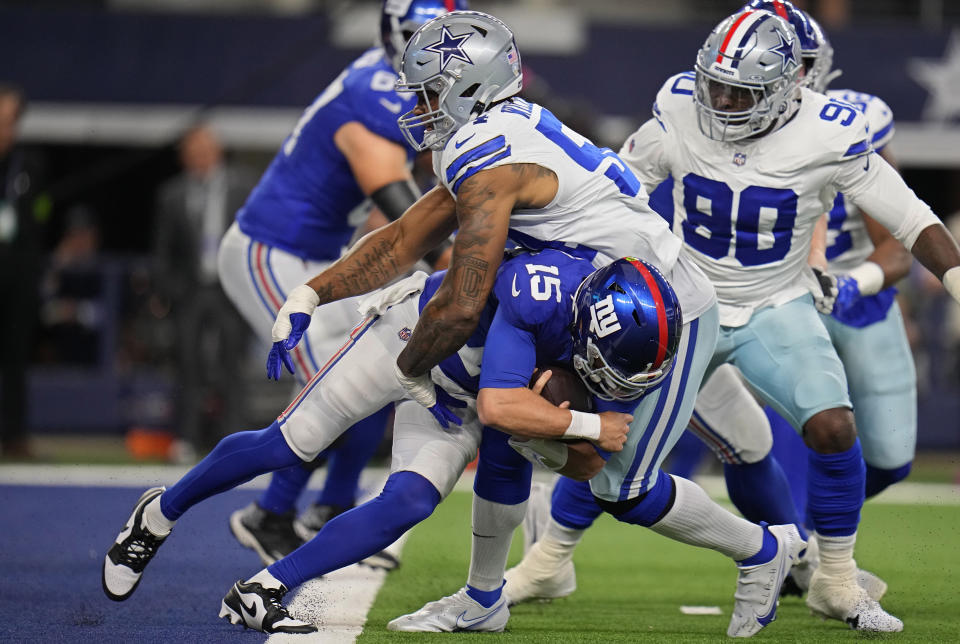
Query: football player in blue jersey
[
  {"x": 622, "y": 335},
  {"x": 508, "y": 167},
  {"x": 345, "y": 148},
  {"x": 756, "y": 160}
]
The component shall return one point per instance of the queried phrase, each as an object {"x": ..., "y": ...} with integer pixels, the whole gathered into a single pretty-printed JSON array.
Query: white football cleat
[
  {"x": 539, "y": 576},
  {"x": 537, "y": 517},
  {"x": 456, "y": 612},
  {"x": 758, "y": 586},
  {"x": 846, "y": 601},
  {"x": 803, "y": 570},
  {"x": 131, "y": 551}
]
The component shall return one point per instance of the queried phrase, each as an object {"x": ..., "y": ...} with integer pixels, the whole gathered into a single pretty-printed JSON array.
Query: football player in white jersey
[
  {"x": 756, "y": 161},
  {"x": 865, "y": 326},
  {"x": 509, "y": 168}
]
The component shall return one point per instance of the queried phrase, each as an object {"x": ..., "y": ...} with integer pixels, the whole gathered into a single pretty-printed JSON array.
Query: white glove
[
  {"x": 430, "y": 395},
  {"x": 302, "y": 299},
  {"x": 825, "y": 295}
]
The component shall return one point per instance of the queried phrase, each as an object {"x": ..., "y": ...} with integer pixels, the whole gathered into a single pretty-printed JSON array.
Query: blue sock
[
  {"x": 761, "y": 492},
  {"x": 406, "y": 500},
  {"x": 503, "y": 475},
  {"x": 485, "y": 598},
  {"x": 686, "y": 456},
  {"x": 767, "y": 551},
  {"x": 791, "y": 453},
  {"x": 284, "y": 489},
  {"x": 236, "y": 459},
  {"x": 572, "y": 504},
  {"x": 348, "y": 460},
  {"x": 879, "y": 479},
  {"x": 835, "y": 485}
]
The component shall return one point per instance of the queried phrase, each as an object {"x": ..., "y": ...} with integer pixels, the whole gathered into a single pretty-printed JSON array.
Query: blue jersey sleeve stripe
[
  {"x": 474, "y": 154},
  {"x": 477, "y": 168},
  {"x": 857, "y": 149},
  {"x": 882, "y": 133}
]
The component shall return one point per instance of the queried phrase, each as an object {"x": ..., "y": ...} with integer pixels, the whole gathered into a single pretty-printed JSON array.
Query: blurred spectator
[
  {"x": 193, "y": 211},
  {"x": 71, "y": 310},
  {"x": 22, "y": 214}
]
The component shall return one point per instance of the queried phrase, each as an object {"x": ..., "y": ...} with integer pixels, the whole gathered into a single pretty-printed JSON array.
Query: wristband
[
  {"x": 583, "y": 425},
  {"x": 869, "y": 278},
  {"x": 951, "y": 282}
]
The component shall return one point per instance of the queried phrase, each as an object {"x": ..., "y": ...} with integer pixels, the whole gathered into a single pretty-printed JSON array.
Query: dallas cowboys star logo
[
  {"x": 450, "y": 47},
  {"x": 785, "y": 51}
]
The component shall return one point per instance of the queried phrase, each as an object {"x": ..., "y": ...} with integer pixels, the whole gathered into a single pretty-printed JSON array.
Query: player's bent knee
[
  {"x": 830, "y": 431},
  {"x": 413, "y": 492}
]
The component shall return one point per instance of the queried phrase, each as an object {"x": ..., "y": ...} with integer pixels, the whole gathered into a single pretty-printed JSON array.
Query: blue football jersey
[
  {"x": 303, "y": 200},
  {"x": 525, "y": 323}
]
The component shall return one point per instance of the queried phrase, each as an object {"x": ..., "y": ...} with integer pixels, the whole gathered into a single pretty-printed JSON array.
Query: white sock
[
  {"x": 836, "y": 555},
  {"x": 265, "y": 579},
  {"x": 696, "y": 520},
  {"x": 493, "y": 526},
  {"x": 154, "y": 521},
  {"x": 561, "y": 540}
]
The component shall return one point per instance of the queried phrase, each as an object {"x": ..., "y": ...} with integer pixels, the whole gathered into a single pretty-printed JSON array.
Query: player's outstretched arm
[{"x": 389, "y": 252}]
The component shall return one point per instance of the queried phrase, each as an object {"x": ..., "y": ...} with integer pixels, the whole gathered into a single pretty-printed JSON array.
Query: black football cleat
[
  {"x": 130, "y": 553},
  {"x": 261, "y": 609},
  {"x": 270, "y": 535}
]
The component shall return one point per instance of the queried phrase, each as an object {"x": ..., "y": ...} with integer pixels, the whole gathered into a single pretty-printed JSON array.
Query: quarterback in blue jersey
[
  {"x": 345, "y": 148},
  {"x": 427, "y": 459}
]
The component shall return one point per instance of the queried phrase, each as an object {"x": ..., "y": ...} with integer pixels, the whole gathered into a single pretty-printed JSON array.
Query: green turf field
[{"x": 632, "y": 582}]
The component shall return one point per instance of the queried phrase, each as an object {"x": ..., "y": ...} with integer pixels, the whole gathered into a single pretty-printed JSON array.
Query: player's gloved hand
[
  {"x": 292, "y": 321},
  {"x": 825, "y": 296},
  {"x": 430, "y": 395},
  {"x": 848, "y": 292}
]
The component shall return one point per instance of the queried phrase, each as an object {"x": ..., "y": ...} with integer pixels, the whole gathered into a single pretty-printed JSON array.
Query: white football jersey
[
  {"x": 746, "y": 210},
  {"x": 848, "y": 242},
  {"x": 600, "y": 204}
]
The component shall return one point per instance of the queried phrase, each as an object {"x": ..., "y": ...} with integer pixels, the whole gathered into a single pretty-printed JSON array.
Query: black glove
[{"x": 825, "y": 296}]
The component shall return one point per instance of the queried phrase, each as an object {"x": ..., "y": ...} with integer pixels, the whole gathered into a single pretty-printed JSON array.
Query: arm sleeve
[
  {"x": 509, "y": 355},
  {"x": 643, "y": 151},
  {"x": 875, "y": 187}
]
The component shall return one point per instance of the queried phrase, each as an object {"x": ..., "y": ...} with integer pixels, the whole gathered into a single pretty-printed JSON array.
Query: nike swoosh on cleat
[
  {"x": 459, "y": 144},
  {"x": 252, "y": 609},
  {"x": 463, "y": 622},
  {"x": 769, "y": 617}
]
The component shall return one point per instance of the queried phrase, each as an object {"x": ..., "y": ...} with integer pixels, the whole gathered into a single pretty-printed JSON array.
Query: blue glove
[
  {"x": 441, "y": 410},
  {"x": 279, "y": 352},
  {"x": 848, "y": 292}
]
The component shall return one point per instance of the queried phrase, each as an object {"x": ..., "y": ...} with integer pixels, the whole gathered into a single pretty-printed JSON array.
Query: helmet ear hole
[{"x": 470, "y": 91}]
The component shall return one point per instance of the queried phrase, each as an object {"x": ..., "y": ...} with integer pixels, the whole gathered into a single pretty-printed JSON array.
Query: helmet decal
[{"x": 450, "y": 47}]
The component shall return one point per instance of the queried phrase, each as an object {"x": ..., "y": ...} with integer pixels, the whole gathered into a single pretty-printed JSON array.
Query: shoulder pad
[
  {"x": 879, "y": 115},
  {"x": 675, "y": 95},
  {"x": 477, "y": 145},
  {"x": 832, "y": 128}
]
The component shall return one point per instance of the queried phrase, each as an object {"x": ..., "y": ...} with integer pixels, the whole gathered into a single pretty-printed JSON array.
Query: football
[{"x": 564, "y": 385}]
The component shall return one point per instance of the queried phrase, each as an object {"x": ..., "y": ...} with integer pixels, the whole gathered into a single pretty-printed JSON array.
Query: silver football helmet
[
  {"x": 747, "y": 73},
  {"x": 457, "y": 65}
]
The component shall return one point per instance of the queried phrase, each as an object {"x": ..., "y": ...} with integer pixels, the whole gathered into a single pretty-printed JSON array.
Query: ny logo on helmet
[
  {"x": 603, "y": 318},
  {"x": 450, "y": 47}
]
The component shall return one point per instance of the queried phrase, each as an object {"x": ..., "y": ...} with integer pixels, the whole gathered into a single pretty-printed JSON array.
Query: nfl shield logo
[
  {"x": 404, "y": 333},
  {"x": 739, "y": 158}
]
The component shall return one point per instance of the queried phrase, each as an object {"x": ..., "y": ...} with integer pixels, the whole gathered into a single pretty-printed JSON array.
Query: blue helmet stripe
[{"x": 746, "y": 39}]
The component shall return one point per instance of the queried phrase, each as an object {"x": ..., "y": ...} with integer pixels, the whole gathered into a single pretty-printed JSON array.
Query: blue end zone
[{"x": 53, "y": 541}]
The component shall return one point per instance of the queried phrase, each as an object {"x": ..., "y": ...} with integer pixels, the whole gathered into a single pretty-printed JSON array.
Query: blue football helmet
[
  {"x": 815, "y": 48},
  {"x": 626, "y": 329},
  {"x": 400, "y": 18}
]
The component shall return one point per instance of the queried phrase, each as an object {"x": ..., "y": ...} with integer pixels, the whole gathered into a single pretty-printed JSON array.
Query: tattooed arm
[
  {"x": 388, "y": 252},
  {"x": 485, "y": 202}
]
